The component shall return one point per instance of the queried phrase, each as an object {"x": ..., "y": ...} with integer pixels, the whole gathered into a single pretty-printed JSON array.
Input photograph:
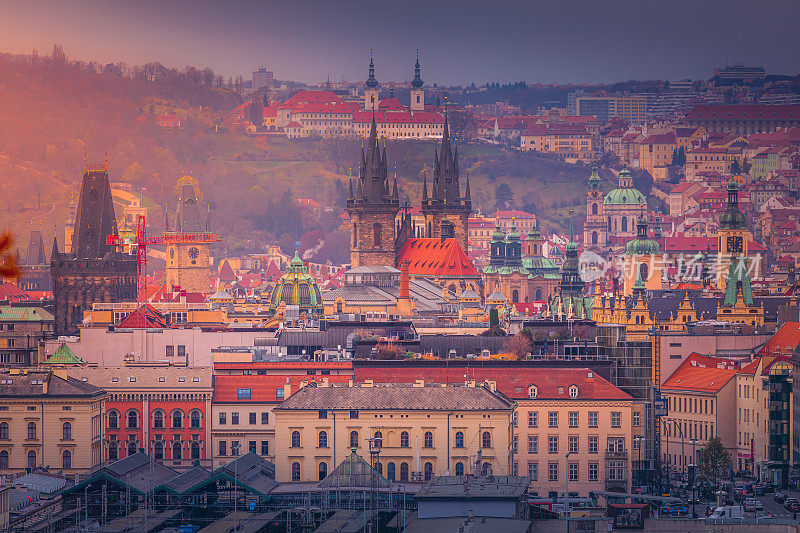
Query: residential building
[
  {"x": 163, "y": 410},
  {"x": 21, "y": 330},
  {"x": 707, "y": 160},
  {"x": 421, "y": 430},
  {"x": 571, "y": 141},
  {"x": 744, "y": 119},
  {"x": 655, "y": 154},
  {"x": 49, "y": 419}
]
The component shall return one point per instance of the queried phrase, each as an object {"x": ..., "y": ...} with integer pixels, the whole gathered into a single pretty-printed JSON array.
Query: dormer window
[
  {"x": 573, "y": 391},
  {"x": 533, "y": 391}
]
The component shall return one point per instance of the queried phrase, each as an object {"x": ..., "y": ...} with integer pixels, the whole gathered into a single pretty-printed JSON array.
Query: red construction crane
[{"x": 143, "y": 241}]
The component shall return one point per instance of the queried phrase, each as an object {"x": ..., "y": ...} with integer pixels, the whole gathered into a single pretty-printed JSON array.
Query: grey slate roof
[
  {"x": 471, "y": 487},
  {"x": 395, "y": 396},
  {"x": 427, "y": 296},
  {"x": 30, "y": 384}
]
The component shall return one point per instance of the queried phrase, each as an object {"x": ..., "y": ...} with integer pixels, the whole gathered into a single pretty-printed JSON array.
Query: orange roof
[
  {"x": 145, "y": 316},
  {"x": 785, "y": 340},
  {"x": 263, "y": 387},
  {"x": 700, "y": 373},
  {"x": 436, "y": 257}
]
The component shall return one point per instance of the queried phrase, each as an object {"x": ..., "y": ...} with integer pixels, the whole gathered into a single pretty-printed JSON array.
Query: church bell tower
[
  {"x": 417, "y": 92},
  {"x": 371, "y": 90}
]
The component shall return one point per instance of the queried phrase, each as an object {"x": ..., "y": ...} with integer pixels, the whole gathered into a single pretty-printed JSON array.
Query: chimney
[
  {"x": 419, "y": 383},
  {"x": 44, "y": 385},
  {"x": 404, "y": 264}
]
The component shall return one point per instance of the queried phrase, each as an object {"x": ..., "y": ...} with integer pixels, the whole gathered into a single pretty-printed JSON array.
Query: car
[
  {"x": 769, "y": 488},
  {"x": 791, "y": 504},
  {"x": 675, "y": 509},
  {"x": 758, "y": 490},
  {"x": 750, "y": 505},
  {"x": 779, "y": 497}
]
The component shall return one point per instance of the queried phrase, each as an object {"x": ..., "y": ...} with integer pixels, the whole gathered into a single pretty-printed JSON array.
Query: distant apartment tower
[
  {"x": 740, "y": 72},
  {"x": 262, "y": 78},
  {"x": 633, "y": 109}
]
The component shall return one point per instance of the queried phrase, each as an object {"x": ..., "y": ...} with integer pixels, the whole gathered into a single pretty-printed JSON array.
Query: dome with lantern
[{"x": 297, "y": 287}]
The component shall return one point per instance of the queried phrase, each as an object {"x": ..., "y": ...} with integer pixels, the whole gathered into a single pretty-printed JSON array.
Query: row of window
[
  {"x": 573, "y": 419},
  {"x": 377, "y": 439},
  {"x": 252, "y": 418},
  {"x": 160, "y": 449},
  {"x": 691, "y": 405},
  {"x": 393, "y": 471},
  {"x": 66, "y": 459},
  {"x": 252, "y": 447},
  {"x": 614, "y": 444},
  {"x": 159, "y": 417},
  {"x": 5, "y": 431}
]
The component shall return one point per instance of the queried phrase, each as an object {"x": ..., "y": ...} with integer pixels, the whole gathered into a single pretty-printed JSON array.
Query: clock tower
[
  {"x": 595, "y": 228},
  {"x": 733, "y": 235},
  {"x": 188, "y": 261}
]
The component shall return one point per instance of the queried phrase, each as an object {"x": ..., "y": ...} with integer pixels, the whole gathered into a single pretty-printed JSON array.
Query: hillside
[{"x": 52, "y": 111}]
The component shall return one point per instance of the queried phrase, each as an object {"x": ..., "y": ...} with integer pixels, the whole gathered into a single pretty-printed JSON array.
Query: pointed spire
[
  {"x": 350, "y": 187},
  {"x": 467, "y": 196},
  {"x": 371, "y": 81},
  {"x": 54, "y": 253},
  {"x": 166, "y": 218},
  {"x": 417, "y": 81},
  {"x": 208, "y": 217},
  {"x": 394, "y": 188},
  {"x": 425, "y": 188},
  {"x": 571, "y": 229}
]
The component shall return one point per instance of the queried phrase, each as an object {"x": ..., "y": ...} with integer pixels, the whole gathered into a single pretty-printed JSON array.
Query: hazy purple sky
[{"x": 459, "y": 41}]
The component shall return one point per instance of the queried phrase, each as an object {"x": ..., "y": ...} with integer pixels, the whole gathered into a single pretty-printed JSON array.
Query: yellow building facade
[{"x": 421, "y": 430}]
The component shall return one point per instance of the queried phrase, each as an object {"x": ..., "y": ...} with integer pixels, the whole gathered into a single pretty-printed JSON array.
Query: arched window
[
  {"x": 133, "y": 419},
  {"x": 379, "y": 468},
  {"x": 459, "y": 439},
  {"x": 594, "y": 209},
  {"x": 487, "y": 469},
  {"x": 594, "y": 237},
  {"x": 295, "y": 471},
  {"x": 177, "y": 418},
  {"x": 194, "y": 419},
  {"x": 376, "y": 234},
  {"x": 624, "y": 223},
  {"x": 3, "y": 460},
  {"x": 112, "y": 451},
  {"x": 428, "y": 443},
  {"x": 176, "y": 449},
  {"x": 4, "y": 434},
  {"x": 643, "y": 271},
  {"x": 403, "y": 472},
  {"x": 404, "y": 439},
  {"x": 31, "y": 459},
  {"x": 609, "y": 223},
  {"x": 158, "y": 419},
  {"x": 158, "y": 451},
  {"x": 195, "y": 450},
  {"x": 323, "y": 439},
  {"x": 113, "y": 419},
  {"x": 459, "y": 468},
  {"x": 515, "y": 296},
  {"x": 66, "y": 431},
  {"x": 132, "y": 449},
  {"x": 323, "y": 470},
  {"x": 66, "y": 460},
  {"x": 378, "y": 442},
  {"x": 428, "y": 471},
  {"x": 31, "y": 430},
  {"x": 295, "y": 439},
  {"x": 354, "y": 439},
  {"x": 486, "y": 440},
  {"x": 538, "y": 295},
  {"x": 390, "y": 471}
]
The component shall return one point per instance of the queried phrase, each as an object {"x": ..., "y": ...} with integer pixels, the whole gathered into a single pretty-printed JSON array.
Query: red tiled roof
[
  {"x": 700, "y": 373},
  {"x": 391, "y": 104},
  {"x": 662, "y": 138},
  {"x": 311, "y": 96},
  {"x": 551, "y": 383},
  {"x": 9, "y": 291},
  {"x": 284, "y": 365},
  {"x": 323, "y": 107},
  {"x": 145, "y": 316},
  {"x": 263, "y": 388},
  {"x": 682, "y": 186},
  {"x": 226, "y": 272},
  {"x": 436, "y": 257},
  {"x": 784, "y": 340},
  {"x": 744, "y": 112}
]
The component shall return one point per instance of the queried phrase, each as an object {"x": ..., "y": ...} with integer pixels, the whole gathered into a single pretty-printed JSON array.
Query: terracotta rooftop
[
  {"x": 436, "y": 257},
  {"x": 263, "y": 388},
  {"x": 785, "y": 340},
  {"x": 699, "y": 373}
]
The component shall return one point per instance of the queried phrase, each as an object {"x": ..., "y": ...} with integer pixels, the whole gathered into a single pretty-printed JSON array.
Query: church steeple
[
  {"x": 417, "y": 93},
  {"x": 371, "y": 81},
  {"x": 417, "y": 81}
]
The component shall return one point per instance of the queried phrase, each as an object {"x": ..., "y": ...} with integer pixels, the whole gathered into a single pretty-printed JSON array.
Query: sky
[{"x": 460, "y": 42}]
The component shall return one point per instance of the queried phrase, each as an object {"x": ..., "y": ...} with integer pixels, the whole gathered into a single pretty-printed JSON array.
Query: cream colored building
[
  {"x": 422, "y": 430},
  {"x": 49, "y": 419}
]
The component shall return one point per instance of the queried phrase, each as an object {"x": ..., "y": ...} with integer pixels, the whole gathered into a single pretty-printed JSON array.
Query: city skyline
[{"x": 310, "y": 41}]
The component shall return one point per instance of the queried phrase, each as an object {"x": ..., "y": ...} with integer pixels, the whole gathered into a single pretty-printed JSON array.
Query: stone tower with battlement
[{"x": 188, "y": 260}]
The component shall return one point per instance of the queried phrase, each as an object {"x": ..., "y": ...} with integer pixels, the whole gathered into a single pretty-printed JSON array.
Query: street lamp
[
  {"x": 235, "y": 450},
  {"x": 693, "y": 440},
  {"x": 566, "y": 494}
]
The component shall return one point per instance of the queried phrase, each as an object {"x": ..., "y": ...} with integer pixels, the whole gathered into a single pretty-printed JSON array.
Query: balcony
[{"x": 617, "y": 456}]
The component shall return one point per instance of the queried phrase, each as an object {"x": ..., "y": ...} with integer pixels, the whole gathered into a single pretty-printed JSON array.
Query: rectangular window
[
  {"x": 323, "y": 413},
  {"x": 533, "y": 444},
  {"x": 573, "y": 419},
  {"x": 251, "y": 446},
  {"x": 265, "y": 418},
  {"x": 616, "y": 419},
  {"x": 353, "y": 414},
  {"x": 170, "y": 351},
  {"x": 223, "y": 447},
  {"x": 252, "y": 418},
  {"x": 593, "y": 419},
  {"x": 552, "y": 472},
  {"x": 235, "y": 447},
  {"x": 573, "y": 471},
  {"x": 552, "y": 444},
  {"x": 533, "y": 471},
  {"x": 533, "y": 419},
  {"x": 573, "y": 444},
  {"x": 636, "y": 420},
  {"x": 181, "y": 350},
  {"x": 552, "y": 418},
  {"x": 593, "y": 444},
  {"x": 593, "y": 471},
  {"x": 243, "y": 394},
  {"x": 264, "y": 447},
  {"x": 235, "y": 419},
  {"x": 279, "y": 394},
  {"x": 222, "y": 419}
]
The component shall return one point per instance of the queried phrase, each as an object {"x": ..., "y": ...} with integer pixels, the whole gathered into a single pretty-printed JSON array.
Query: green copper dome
[
  {"x": 297, "y": 287},
  {"x": 642, "y": 245},
  {"x": 626, "y": 193},
  {"x": 513, "y": 235},
  {"x": 733, "y": 218},
  {"x": 498, "y": 235}
]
